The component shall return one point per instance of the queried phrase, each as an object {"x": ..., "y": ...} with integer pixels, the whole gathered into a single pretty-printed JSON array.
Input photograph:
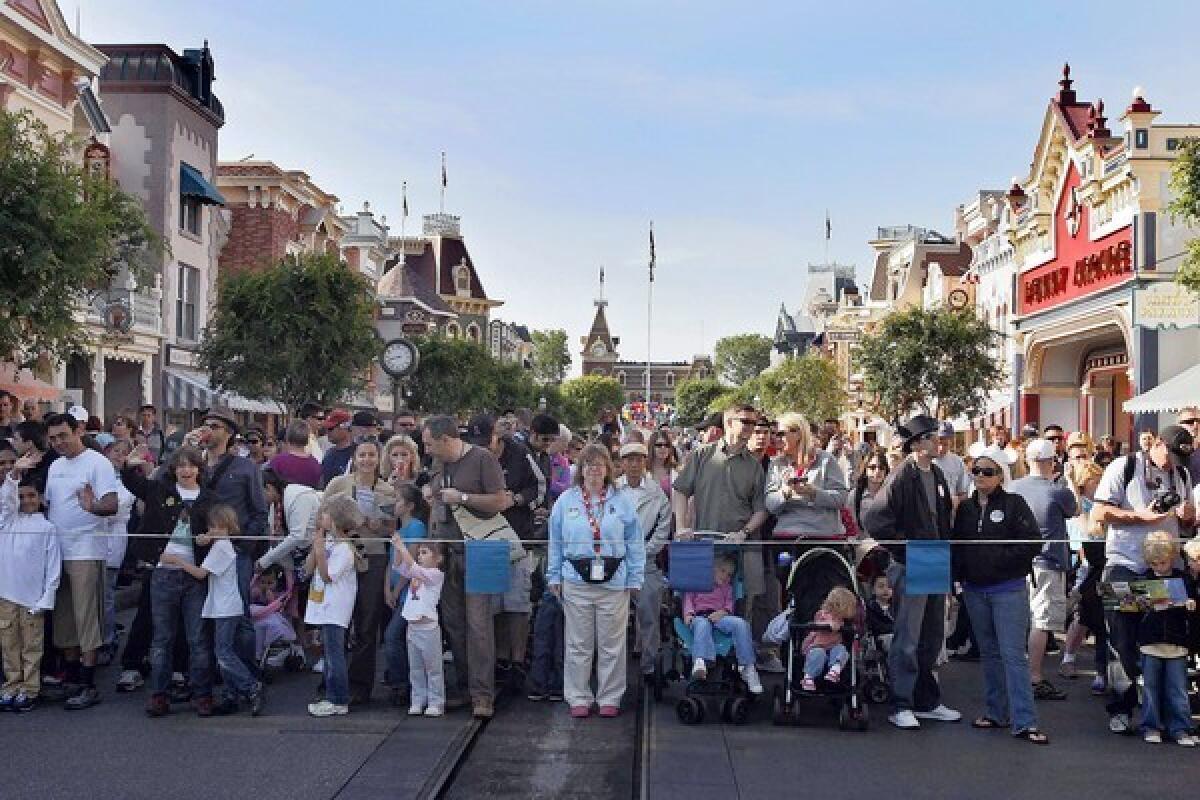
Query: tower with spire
[{"x": 599, "y": 346}]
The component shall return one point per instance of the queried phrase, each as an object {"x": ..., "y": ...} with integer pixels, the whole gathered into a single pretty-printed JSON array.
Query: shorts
[
  {"x": 1048, "y": 599},
  {"x": 78, "y": 604}
]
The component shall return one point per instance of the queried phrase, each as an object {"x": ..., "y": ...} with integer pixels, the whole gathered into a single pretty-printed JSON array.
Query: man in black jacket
[{"x": 914, "y": 503}]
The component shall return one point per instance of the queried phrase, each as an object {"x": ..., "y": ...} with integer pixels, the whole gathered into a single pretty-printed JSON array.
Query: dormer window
[{"x": 462, "y": 279}]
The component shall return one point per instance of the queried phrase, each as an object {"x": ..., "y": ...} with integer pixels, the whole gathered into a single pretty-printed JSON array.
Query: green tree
[
  {"x": 593, "y": 393},
  {"x": 1185, "y": 206},
  {"x": 301, "y": 330},
  {"x": 63, "y": 233},
  {"x": 742, "y": 357},
  {"x": 693, "y": 397},
  {"x": 551, "y": 356},
  {"x": 809, "y": 384},
  {"x": 568, "y": 410},
  {"x": 940, "y": 361},
  {"x": 455, "y": 376},
  {"x": 514, "y": 387},
  {"x": 747, "y": 393}
]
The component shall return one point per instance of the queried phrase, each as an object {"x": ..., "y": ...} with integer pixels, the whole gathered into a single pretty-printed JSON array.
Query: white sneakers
[
  {"x": 1185, "y": 740},
  {"x": 130, "y": 680},
  {"x": 750, "y": 676},
  {"x": 941, "y": 714},
  {"x": 434, "y": 711},
  {"x": 904, "y": 720},
  {"x": 416, "y": 711},
  {"x": 327, "y": 709},
  {"x": 699, "y": 669},
  {"x": 1152, "y": 737}
]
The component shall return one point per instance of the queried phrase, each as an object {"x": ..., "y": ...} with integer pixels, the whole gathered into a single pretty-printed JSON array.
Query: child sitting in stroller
[
  {"x": 703, "y": 611},
  {"x": 823, "y": 649}
]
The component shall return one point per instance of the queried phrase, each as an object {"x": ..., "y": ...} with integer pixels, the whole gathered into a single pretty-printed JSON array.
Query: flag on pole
[
  {"x": 652, "y": 256},
  {"x": 404, "y": 198},
  {"x": 443, "y": 169},
  {"x": 828, "y": 226}
]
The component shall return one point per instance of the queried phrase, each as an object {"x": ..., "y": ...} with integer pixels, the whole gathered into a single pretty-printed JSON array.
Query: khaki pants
[
  {"x": 512, "y": 634},
  {"x": 78, "y": 604},
  {"x": 595, "y": 618},
  {"x": 21, "y": 642},
  {"x": 468, "y": 620}
]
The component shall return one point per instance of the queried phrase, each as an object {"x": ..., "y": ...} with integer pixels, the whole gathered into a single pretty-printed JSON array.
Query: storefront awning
[
  {"x": 1180, "y": 392},
  {"x": 25, "y": 386},
  {"x": 189, "y": 391},
  {"x": 193, "y": 184}
]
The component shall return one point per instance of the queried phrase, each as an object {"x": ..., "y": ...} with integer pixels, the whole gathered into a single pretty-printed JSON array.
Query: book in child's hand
[{"x": 1142, "y": 595}]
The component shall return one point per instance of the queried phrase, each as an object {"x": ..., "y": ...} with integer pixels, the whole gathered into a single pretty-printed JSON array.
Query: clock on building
[
  {"x": 598, "y": 349},
  {"x": 958, "y": 299},
  {"x": 400, "y": 357}
]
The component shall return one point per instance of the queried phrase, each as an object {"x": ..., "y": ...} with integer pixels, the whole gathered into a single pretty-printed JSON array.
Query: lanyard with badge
[{"x": 597, "y": 568}]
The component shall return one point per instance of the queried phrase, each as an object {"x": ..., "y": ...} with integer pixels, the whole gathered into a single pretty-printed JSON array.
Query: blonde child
[
  {"x": 823, "y": 649},
  {"x": 704, "y": 611},
  {"x": 331, "y": 596},
  {"x": 1162, "y": 639},
  {"x": 427, "y": 685},
  {"x": 223, "y": 606}
]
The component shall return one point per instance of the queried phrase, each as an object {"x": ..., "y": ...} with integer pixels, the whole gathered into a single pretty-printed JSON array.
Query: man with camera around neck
[{"x": 1153, "y": 493}]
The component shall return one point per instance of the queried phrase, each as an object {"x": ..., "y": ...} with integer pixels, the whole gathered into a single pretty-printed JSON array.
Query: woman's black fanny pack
[{"x": 583, "y": 566}]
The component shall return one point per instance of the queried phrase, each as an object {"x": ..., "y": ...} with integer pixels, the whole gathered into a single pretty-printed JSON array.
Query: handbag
[{"x": 491, "y": 528}]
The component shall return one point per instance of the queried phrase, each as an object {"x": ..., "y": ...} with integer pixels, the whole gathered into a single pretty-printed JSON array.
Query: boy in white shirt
[
  {"x": 30, "y": 561},
  {"x": 223, "y": 605},
  {"x": 425, "y": 673},
  {"x": 331, "y": 596}
]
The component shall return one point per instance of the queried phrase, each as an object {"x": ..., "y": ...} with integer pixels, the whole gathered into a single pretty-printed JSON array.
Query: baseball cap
[
  {"x": 78, "y": 413},
  {"x": 338, "y": 418},
  {"x": 1040, "y": 450},
  {"x": 633, "y": 449},
  {"x": 946, "y": 430},
  {"x": 1178, "y": 439},
  {"x": 480, "y": 429},
  {"x": 364, "y": 419}
]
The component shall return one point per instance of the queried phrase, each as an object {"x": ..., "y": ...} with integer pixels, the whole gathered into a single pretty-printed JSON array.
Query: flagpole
[
  {"x": 403, "y": 217},
  {"x": 827, "y": 233},
  {"x": 649, "y": 318},
  {"x": 443, "y": 204}
]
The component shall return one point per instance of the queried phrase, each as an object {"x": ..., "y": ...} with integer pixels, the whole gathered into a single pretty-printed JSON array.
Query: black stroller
[{"x": 813, "y": 574}]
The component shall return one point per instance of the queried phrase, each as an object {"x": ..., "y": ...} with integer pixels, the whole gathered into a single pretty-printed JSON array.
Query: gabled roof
[
  {"x": 453, "y": 252},
  {"x": 411, "y": 277},
  {"x": 953, "y": 265},
  {"x": 599, "y": 330}
]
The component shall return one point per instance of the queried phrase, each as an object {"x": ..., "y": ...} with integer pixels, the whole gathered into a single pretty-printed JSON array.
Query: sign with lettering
[{"x": 1166, "y": 305}]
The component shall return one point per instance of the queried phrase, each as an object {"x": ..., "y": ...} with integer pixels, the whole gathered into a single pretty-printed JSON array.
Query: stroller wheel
[
  {"x": 690, "y": 711},
  {"x": 878, "y": 692},
  {"x": 735, "y": 710},
  {"x": 779, "y": 714}
]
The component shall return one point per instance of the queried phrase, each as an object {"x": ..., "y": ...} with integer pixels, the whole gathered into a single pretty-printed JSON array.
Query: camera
[{"x": 1165, "y": 500}]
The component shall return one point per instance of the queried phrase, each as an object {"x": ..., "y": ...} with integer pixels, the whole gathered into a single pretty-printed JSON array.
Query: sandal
[
  {"x": 987, "y": 723},
  {"x": 1045, "y": 690},
  {"x": 1033, "y": 735}
]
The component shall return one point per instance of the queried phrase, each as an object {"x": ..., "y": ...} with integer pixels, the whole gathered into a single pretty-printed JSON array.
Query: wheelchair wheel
[
  {"x": 779, "y": 715},
  {"x": 878, "y": 692},
  {"x": 690, "y": 711}
]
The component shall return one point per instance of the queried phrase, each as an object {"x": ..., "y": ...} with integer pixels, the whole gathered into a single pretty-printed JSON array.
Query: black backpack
[{"x": 1181, "y": 472}]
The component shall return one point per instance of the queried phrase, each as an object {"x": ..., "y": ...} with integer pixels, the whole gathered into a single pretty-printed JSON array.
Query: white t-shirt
[
  {"x": 333, "y": 603},
  {"x": 955, "y": 470},
  {"x": 77, "y": 528},
  {"x": 118, "y": 527},
  {"x": 180, "y": 544},
  {"x": 1123, "y": 544},
  {"x": 424, "y": 592},
  {"x": 224, "y": 599}
]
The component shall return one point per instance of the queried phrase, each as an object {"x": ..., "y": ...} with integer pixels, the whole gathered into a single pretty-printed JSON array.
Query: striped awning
[{"x": 186, "y": 390}]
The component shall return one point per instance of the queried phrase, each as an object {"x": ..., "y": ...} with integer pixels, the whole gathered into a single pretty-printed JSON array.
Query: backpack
[{"x": 1181, "y": 472}]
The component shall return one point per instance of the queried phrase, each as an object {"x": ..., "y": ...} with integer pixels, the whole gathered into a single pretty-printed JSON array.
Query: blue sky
[{"x": 568, "y": 126}]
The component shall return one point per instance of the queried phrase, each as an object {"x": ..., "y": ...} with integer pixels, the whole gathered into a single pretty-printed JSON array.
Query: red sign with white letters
[{"x": 1081, "y": 267}]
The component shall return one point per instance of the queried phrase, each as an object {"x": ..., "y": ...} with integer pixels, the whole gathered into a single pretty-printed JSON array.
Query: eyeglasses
[
  {"x": 872, "y": 467},
  {"x": 1190, "y": 421},
  {"x": 595, "y": 465},
  {"x": 254, "y": 440},
  {"x": 366, "y": 440},
  {"x": 985, "y": 472},
  {"x": 1054, "y": 438},
  {"x": 748, "y": 421},
  {"x": 663, "y": 445}
]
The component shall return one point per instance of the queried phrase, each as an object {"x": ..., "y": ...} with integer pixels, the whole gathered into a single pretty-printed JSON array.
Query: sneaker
[
  {"x": 1045, "y": 690},
  {"x": 319, "y": 666},
  {"x": 87, "y": 697},
  {"x": 699, "y": 670},
  {"x": 581, "y": 712},
  {"x": 6, "y": 701},
  {"x": 1120, "y": 723},
  {"x": 771, "y": 663},
  {"x": 416, "y": 710},
  {"x": 1099, "y": 685},
  {"x": 834, "y": 675},
  {"x": 482, "y": 709},
  {"x": 904, "y": 720},
  {"x": 130, "y": 681},
  {"x": 807, "y": 684},
  {"x": 158, "y": 706},
  {"x": 23, "y": 702},
  {"x": 327, "y": 709},
  {"x": 941, "y": 714},
  {"x": 256, "y": 700},
  {"x": 1152, "y": 737},
  {"x": 609, "y": 711},
  {"x": 1185, "y": 740},
  {"x": 434, "y": 711},
  {"x": 750, "y": 676}
]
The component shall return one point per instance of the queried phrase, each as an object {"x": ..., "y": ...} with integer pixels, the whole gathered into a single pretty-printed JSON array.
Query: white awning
[
  {"x": 1180, "y": 392},
  {"x": 189, "y": 391}
]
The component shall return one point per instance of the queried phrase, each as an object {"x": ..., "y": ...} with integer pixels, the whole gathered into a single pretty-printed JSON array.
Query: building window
[
  {"x": 191, "y": 214},
  {"x": 473, "y": 332},
  {"x": 452, "y": 330},
  {"x": 1172, "y": 144},
  {"x": 462, "y": 280},
  {"x": 670, "y": 380},
  {"x": 1141, "y": 138},
  {"x": 187, "y": 299},
  {"x": 621, "y": 377}
]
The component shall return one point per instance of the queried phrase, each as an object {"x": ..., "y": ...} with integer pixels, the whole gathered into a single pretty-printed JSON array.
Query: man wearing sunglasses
[{"x": 1189, "y": 420}]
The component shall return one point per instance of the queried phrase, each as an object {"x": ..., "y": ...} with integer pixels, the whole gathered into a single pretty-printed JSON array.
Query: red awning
[{"x": 25, "y": 386}]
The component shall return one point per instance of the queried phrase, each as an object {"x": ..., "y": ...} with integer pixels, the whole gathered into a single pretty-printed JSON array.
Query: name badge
[
  {"x": 996, "y": 516},
  {"x": 597, "y": 569}
]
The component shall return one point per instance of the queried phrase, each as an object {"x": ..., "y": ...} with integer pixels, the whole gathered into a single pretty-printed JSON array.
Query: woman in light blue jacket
[{"x": 597, "y": 557}]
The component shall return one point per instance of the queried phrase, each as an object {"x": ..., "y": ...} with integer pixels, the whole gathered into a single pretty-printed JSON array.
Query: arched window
[
  {"x": 462, "y": 279},
  {"x": 473, "y": 332},
  {"x": 453, "y": 330}
]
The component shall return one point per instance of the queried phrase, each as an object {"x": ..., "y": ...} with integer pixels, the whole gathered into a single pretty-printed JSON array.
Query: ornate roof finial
[
  {"x": 1065, "y": 93},
  {"x": 1139, "y": 104},
  {"x": 1098, "y": 127}
]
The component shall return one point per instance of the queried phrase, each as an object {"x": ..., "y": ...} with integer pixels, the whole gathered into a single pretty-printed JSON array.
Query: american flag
[
  {"x": 404, "y": 198},
  {"x": 652, "y": 256},
  {"x": 443, "y": 169}
]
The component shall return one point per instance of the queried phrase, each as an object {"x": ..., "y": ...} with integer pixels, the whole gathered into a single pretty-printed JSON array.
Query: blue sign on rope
[
  {"x": 927, "y": 568},
  {"x": 487, "y": 567}
]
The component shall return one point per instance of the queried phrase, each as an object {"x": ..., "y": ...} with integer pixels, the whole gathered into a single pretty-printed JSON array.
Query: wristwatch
[{"x": 465, "y": 498}]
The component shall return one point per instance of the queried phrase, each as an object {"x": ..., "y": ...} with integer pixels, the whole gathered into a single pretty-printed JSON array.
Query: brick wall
[{"x": 258, "y": 236}]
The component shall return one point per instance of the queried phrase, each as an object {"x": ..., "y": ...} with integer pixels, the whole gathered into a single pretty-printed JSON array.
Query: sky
[{"x": 569, "y": 126}]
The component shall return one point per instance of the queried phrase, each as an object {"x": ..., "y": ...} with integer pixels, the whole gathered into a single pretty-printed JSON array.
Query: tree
[
  {"x": 63, "y": 233},
  {"x": 1185, "y": 185},
  {"x": 593, "y": 393},
  {"x": 514, "y": 386},
  {"x": 809, "y": 384},
  {"x": 940, "y": 361},
  {"x": 455, "y": 376},
  {"x": 551, "y": 356},
  {"x": 742, "y": 357},
  {"x": 693, "y": 397},
  {"x": 301, "y": 330},
  {"x": 746, "y": 394}
]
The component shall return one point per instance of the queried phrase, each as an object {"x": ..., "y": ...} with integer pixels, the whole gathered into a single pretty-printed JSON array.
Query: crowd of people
[{"x": 340, "y": 546}]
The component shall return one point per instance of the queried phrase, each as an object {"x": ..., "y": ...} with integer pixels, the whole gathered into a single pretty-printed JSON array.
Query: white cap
[
  {"x": 78, "y": 413},
  {"x": 1040, "y": 450}
]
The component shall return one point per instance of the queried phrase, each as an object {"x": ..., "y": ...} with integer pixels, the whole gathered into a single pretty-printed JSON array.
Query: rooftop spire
[{"x": 1065, "y": 93}]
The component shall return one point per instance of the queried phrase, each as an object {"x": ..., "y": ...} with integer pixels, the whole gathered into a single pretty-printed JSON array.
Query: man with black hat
[
  {"x": 1140, "y": 493},
  {"x": 914, "y": 503}
]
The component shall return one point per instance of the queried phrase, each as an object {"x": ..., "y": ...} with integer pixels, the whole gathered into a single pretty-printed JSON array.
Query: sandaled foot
[
  {"x": 987, "y": 723},
  {"x": 1033, "y": 735}
]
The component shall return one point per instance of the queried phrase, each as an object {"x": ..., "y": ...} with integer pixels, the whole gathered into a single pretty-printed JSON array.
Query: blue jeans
[
  {"x": 917, "y": 641},
  {"x": 174, "y": 593},
  {"x": 110, "y": 605},
  {"x": 1001, "y": 624},
  {"x": 1165, "y": 699},
  {"x": 337, "y": 676},
  {"x": 238, "y": 676},
  {"x": 819, "y": 659},
  {"x": 702, "y": 638},
  {"x": 546, "y": 670},
  {"x": 395, "y": 650},
  {"x": 244, "y": 641}
]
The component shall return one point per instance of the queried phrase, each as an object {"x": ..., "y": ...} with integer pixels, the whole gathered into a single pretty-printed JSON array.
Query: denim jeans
[
  {"x": 818, "y": 659},
  {"x": 337, "y": 679},
  {"x": 244, "y": 641},
  {"x": 237, "y": 675},
  {"x": 395, "y": 650},
  {"x": 109, "y": 628},
  {"x": 704, "y": 647},
  {"x": 649, "y": 607},
  {"x": 1122, "y": 637},
  {"x": 174, "y": 593},
  {"x": 546, "y": 672},
  {"x": 1000, "y": 621},
  {"x": 916, "y": 643},
  {"x": 1165, "y": 699}
]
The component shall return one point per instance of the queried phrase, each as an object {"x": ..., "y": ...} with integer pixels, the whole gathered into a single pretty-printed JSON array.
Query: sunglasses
[
  {"x": 748, "y": 421},
  {"x": 985, "y": 472},
  {"x": 663, "y": 445},
  {"x": 254, "y": 440},
  {"x": 1190, "y": 421},
  {"x": 1054, "y": 438}
]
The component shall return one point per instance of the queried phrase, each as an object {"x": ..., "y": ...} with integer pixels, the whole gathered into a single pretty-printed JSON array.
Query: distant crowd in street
[{"x": 339, "y": 545}]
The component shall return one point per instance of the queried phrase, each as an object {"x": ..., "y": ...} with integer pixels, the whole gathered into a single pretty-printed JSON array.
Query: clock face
[
  {"x": 598, "y": 348},
  {"x": 399, "y": 357}
]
